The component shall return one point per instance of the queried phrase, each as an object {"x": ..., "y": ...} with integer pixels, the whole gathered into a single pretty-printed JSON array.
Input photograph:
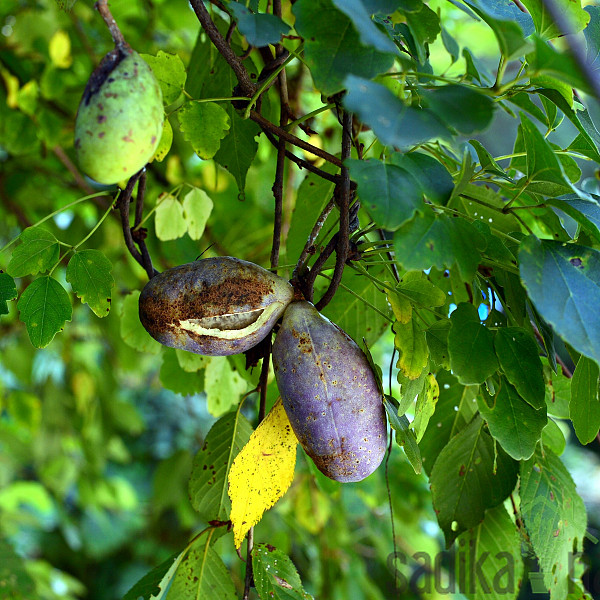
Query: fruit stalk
[{"x": 102, "y": 7}]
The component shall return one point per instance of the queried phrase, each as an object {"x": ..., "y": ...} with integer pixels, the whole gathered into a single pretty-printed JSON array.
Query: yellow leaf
[
  {"x": 59, "y": 49},
  {"x": 262, "y": 472}
]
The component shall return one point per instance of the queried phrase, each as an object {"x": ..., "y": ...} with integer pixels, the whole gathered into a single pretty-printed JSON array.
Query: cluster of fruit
[{"x": 221, "y": 306}]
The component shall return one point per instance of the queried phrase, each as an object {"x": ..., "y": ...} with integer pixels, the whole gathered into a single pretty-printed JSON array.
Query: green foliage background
[{"x": 466, "y": 105}]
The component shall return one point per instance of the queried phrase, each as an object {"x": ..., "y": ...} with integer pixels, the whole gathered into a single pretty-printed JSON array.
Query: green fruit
[
  {"x": 214, "y": 306},
  {"x": 120, "y": 118}
]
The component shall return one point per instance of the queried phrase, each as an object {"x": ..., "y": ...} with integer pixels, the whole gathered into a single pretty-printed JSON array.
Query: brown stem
[
  {"x": 292, "y": 139},
  {"x": 248, "y": 578},
  {"x": 115, "y": 32},
  {"x": 246, "y": 85},
  {"x": 310, "y": 242},
  {"x": 309, "y": 281},
  {"x": 343, "y": 241},
  {"x": 139, "y": 201},
  {"x": 302, "y": 164},
  {"x": 123, "y": 202}
]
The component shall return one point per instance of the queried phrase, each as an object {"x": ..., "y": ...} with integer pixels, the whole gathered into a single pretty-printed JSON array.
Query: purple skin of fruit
[
  {"x": 214, "y": 306},
  {"x": 330, "y": 394}
]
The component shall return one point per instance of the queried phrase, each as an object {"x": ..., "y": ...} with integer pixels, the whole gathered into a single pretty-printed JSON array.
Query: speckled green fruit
[{"x": 120, "y": 118}]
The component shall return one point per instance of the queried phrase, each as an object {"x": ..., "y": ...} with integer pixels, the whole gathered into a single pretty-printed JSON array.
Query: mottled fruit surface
[
  {"x": 120, "y": 118},
  {"x": 214, "y": 306},
  {"x": 330, "y": 394}
]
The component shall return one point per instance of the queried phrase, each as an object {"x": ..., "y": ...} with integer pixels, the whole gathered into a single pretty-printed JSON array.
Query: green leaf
[
  {"x": 239, "y": 147},
  {"x": 44, "y": 307},
  {"x": 585, "y": 211},
  {"x": 592, "y": 37},
  {"x": 223, "y": 386},
  {"x": 425, "y": 406},
  {"x": 204, "y": 125},
  {"x": 169, "y": 219},
  {"x": 437, "y": 340},
  {"x": 208, "y": 480},
  {"x": 15, "y": 581},
  {"x": 563, "y": 281},
  {"x": 275, "y": 575},
  {"x": 468, "y": 477},
  {"x": 558, "y": 393},
  {"x": 359, "y": 307},
  {"x": 390, "y": 194},
  {"x": 420, "y": 290},
  {"x": 554, "y": 438},
  {"x": 410, "y": 389},
  {"x": 512, "y": 421},
  {"x": 197, "y": 207},
  {"x": 424, "y": 27},
  {"x": 88, "y": 272},
  {"x": 545, "y": 25},
  {"x": 461, "y": 107},
  {"x": 259, "y": 29},
  {"x": 405, "y": 437},
  {"x": 8, "y": 291},
  {"x": 174, "y": 378},
  {"x": 369, "y": 34},
  {"x": 492, "y": 568},
  {"x": 332, "y": 46},
  {"x": 191, "y": 362},
  {"x": 166, "y": 141},
  {"x": 38, "y": 252},
  {"x": 132, "y": 331},
  {"x": 509, "y": 27},
  {"x": 542, "y": 163},
  {"x": 471, "y": 346},
  {"x": 580, "y": 118},
  {"x": 584, "y": 408},
  {"x": 455, "y": 408},
  {"x": 392, "y": 121},
  {"x": 152, "y": 585},
  {"x": 435, "y": 181},
  {"x": 554, "y": 516},
  {"x": 169, "y": 71},
  {"x": 412, "y": 348},
  {"x": 519, "y": 358},
  {"x": 435, "y": 240},
  {"x": 202, "y": 574},
  {"x": 487, "y": 161},
  {"x": 545, "y": 61}
]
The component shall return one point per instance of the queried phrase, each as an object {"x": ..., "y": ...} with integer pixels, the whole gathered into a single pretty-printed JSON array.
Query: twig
[
  {"x": 246, "y": 85},
  {"x": 343, "y": 242},
  {"x": 248, "y": 578},
  {"x": 308, "y": 282},
  {"x": 301, "y": 163},
  {"x": 139, "y": 201},
  {"x": 279, "y": 171},
  {"x": 306, "y": 251},
  {"x": 292, "y": 139},
  {"x": 115, "y": 32},
  {"x": 575, "y": 46},
  {"x": 123, "y": 202}
]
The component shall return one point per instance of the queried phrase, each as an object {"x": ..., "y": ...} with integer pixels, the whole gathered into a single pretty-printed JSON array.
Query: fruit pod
[
  {"x": 214, "y": 306},
  {"x": 330, "y": 394},
  {"x": 120, "y": 118}
]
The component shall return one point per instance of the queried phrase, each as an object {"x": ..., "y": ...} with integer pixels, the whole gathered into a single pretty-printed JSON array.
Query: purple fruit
[
  {"x": 330, "y": 394},
  {"x": 215, "y": 306}
]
